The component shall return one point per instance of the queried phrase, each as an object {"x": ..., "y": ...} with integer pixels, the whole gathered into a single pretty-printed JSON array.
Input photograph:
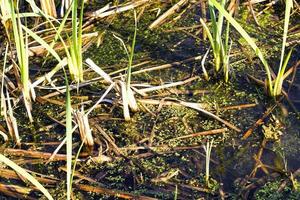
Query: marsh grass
[
  {"x": 128, "y": 98},
  {"x": 283, "y": 61},
  {"x": 21, "y": 45},
  {"x": 219, "y": 41},
  {"x": 274, "y": 82},
  {"x": 75, "y": 64}
]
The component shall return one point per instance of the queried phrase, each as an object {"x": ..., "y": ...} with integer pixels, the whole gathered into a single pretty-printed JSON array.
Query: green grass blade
[
  {"x": 209, "y": 35},
  {"x": 25, "y": 174},
  {"x": 288, "y": 7},
  {"x": 69, "y": 138},
  {"x": 279, "y": 81},
  {"x": 280, "y": 75},
  {"x": 249, "y": 40},
  {"x": 42, "y": 42}
]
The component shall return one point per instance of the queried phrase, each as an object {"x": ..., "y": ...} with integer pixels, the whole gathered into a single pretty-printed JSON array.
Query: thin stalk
[
  {"x": 226, "y": 53},
  {"x": 76, "y": 44},
  {"x": 128, "y": 80},
  {"x": 21, "y": 45},
  {"x": 68, "y": 137}
]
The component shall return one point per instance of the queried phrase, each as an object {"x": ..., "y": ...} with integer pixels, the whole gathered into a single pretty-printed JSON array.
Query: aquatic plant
[
  {"x": 21, "y": 45},
  {"x": 75, "y": 63},
  {"x": 219, "y": 44},
  {"x": 283, "y": 61},
  {"x": 127, "y": 93},
  {"x": 274, "y": 82}
]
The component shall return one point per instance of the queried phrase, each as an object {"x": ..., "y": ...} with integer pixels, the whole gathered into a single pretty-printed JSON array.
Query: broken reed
[{"x": 274, "y": 81}]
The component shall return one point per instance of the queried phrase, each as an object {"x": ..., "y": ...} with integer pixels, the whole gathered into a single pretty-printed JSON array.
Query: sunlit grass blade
[
  {"x": 76, "y": 44},
  {"x": 26, "y": 175},
  {"x": 280, "y": 75},
  {"x": 42, "y": 42},
  {"x": 209, "y": 35},
  {"x": 226, "y": 53},
  {"x": 283, "y": 62}
]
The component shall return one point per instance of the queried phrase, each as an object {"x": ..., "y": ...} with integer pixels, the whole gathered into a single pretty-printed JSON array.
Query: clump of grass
[
  {"x": 283, "y": 62},
  {"x": 274, "y": 82},
  {"x": 21, "y": 45},
  {"x": 219, "y": 44},
  {"x": 75, "y": 61}
]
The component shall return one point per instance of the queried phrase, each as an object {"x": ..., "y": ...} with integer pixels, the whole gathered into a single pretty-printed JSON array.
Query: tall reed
[
  {"x": 283, "y": 62},
  {"x": 21, "y": 45}
]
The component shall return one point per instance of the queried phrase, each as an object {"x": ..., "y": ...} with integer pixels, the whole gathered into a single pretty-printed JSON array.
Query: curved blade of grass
[
  {"x": 209, "y": 35},
  {"x": 249, "y": 40},
  {"x": 280, "y": 75},
  {"x": 279, "y": 81},
  {"x": 25, "y": 174},
  {"x": 42, "y": 42}
]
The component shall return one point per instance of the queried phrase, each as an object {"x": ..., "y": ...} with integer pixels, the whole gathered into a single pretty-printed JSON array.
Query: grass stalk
[
  {"x": 69, "y": 138},
  {"x": 215, "y": 35},
  {"x": 130, "y": 59},
  {"x": 283, "y": 62},
  {"x": 21, "y": 45},
  {"x": 75, "y": 68}
]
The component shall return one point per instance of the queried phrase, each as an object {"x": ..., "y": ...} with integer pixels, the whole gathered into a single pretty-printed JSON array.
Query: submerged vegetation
[{"x": 125, "y": 99}]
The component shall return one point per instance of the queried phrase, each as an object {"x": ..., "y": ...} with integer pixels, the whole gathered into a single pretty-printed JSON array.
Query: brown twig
[{"x": 259, "y": 122}]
